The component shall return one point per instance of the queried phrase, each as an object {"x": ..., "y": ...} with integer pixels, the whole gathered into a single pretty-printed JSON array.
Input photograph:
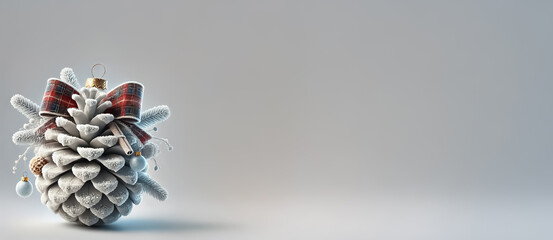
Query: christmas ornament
[
  {"x": 137, "y": 162},
  {"x": 24, "y": 188},
  {"x": 89, "y": 148}
]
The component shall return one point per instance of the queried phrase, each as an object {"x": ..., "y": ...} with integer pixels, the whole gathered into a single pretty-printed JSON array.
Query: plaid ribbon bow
[{"x": 126, "y": 101}]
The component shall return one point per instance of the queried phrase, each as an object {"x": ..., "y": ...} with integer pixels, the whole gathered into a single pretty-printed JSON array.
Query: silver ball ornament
[
  {"x": 137, "y": 162},
  {"x": 24, "y": 188}
]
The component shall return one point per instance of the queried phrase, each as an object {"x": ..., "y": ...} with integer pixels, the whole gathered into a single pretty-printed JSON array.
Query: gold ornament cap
[
  {"x": 25, "y": 178},
  {"x": 97, "y": 82}
]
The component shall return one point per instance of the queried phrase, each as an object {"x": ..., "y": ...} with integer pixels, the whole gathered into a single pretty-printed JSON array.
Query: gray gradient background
[{"x": 309, "y": 119}]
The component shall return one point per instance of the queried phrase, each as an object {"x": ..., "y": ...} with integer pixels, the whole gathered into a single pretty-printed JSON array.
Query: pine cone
[
  {"x": 82, "y": 171},
  {"x": 36, "y": 165},
  {"x": 87, "y": 178}
]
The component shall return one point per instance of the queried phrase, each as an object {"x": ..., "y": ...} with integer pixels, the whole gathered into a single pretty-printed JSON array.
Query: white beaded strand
[
  {"x": 166, "y": 141},
  {"x": 24, "y": 156},
  {"x": 156, "y": 166}
]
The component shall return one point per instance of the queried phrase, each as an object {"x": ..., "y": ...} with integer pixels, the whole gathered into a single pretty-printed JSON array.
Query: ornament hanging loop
[
  {"x": 96, "y": 82},
  {"x": 98, "y": 64}
]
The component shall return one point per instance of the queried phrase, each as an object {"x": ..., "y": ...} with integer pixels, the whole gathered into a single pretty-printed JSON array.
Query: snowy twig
[
  {"x": 25, "y": 106},
  {"x": 67, "y": 75},
  {"x": 152, "y": 187},
  {"x": 154, "y": 116}
]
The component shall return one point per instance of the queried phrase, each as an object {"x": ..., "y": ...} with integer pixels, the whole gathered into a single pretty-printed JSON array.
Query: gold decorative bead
[
  {"x": 36, "y": 165},
  {"x": 96, "y": 82}
]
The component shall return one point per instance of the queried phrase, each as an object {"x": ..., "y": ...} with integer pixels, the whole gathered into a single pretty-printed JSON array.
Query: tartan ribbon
[
  {"x": 51, "y": 123},
  {"x": 57, "y": 99},
  {"x": 126, "y": 102}
]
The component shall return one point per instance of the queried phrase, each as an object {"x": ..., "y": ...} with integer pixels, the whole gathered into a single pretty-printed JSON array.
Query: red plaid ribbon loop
[
  {"x": 126, "y": 100},
  {"x": 57, "y": 99}
]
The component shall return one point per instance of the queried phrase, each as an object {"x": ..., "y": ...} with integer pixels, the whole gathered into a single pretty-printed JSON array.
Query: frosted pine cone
[{"x": 87, "y": 178}]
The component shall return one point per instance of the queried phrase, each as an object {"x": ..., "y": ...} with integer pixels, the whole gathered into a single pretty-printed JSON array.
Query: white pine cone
[{"x": 87, "y": 178}]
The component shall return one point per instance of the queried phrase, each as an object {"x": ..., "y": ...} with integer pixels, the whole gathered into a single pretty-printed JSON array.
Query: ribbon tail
[{"x": 51, "y": 123}]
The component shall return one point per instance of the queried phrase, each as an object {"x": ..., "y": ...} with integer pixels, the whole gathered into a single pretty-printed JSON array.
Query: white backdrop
[{"x": 308, "y": 119}]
